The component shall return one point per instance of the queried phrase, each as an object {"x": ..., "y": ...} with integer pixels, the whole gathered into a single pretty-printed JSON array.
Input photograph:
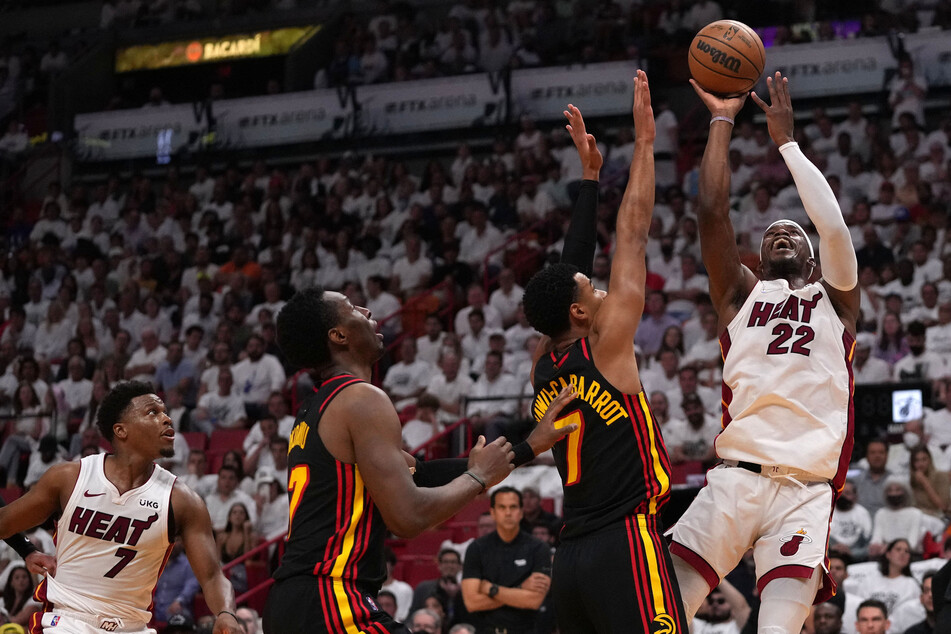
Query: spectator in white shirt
[
  {"x": 450, "y": 386},
  {"x": 19, "y": 332},
  {"x": 425, "y": 425},
  {"x": 52, "y": 337},
  {"x": 692, "y": 438},
  {"x": 476, "y": 344},
  {"x": 492, "y": 416},
  {"x": 223, "y": 408},
  {"x": 144, "y": 361},
  {"x": 919, "y": 364},
  {"x": 257, "y": 376},
  {"x": 430, "y": 343},
  {"x": 507, "y": 298},
  {"x": 382, "y": 305},
  {"x": 412, "y": 271},
  {"x": 47, "y": 454},
  {"x": 475, "y": 297},
  {"x": 865, "y": 367},
  {"x": 851, "y": 528},
  {"x": 938, "y": 337},
  {"x": 406, "y": 380},
  {"x": 897, "y": 519},
  {"x": 481, "y": 240},
  {"x": 73, "y": 394},
  {"x": 226, "y": 494}
]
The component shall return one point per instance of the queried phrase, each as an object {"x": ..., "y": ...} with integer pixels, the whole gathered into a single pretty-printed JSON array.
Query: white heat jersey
[
  {"x": 110, "y": 548},
  {"x": 787, "y": 382}
]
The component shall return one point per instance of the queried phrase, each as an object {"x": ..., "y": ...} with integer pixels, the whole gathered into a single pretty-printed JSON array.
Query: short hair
[
  {"x": 302, "y": 327},
  {"x": 231, "y": 468},
  {"x": 115, "y": 403},
  {"x": 873, "y": 603},
  {"x": 548, "y": 297},
  {"x": 501, "y": 490},
  {"x": 448, "y": 551}
]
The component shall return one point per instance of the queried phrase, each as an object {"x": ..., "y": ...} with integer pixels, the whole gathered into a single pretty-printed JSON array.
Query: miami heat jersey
[
  {"x": 110, "y": 548},
  {"x": 335, "y": 529},
  {"x": 615, "y": 464},
  {"x": 787, "y": 382}
]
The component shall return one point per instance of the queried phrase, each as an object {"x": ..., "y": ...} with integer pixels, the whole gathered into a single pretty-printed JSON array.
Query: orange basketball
[{"x": 726, "y": 57}]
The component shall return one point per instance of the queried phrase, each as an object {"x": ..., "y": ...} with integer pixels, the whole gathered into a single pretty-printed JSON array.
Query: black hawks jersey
[
  {"x": 335, "y": 530},
  {"x": 615, "y": 464}
]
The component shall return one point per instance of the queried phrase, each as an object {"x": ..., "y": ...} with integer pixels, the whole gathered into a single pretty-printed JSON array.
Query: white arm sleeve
[{"x": 839, "y": 265}]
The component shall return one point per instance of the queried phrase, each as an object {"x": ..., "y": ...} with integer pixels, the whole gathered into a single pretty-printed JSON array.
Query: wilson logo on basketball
[
  {"x": 724, "y": 59},
  {"x": 792, "y": 541}
]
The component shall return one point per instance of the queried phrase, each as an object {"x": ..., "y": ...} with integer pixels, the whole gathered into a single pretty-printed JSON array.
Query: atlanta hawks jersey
[
  {"x": 615, "y": 464},
  {"x": 110, "y": 548},
  {"x": 335, "y": 528},
  {"x": 787, "y": 382}
]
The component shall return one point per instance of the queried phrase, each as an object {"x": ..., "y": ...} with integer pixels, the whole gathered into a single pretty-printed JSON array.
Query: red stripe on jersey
[
  {"x": 584, "y": 348},
  {"x": 643, "y": 446},
  {"x": 334, "y": 393},
  {"x": 827, "y": 588},
  {"x": 360, "y": 537},
  {"x": 671, "y": 603},
  {"x": 846, "y": 454},
  {"x": 361, "y": 615},
  {"x": 344, "y": 517},
  {"x": 659, "y": 437},
  {"x": 36, "y": 619},
  {"x": 788, "y": 571},
  {"x": 637, "y": 569},
  {"x": 168, "y": 555},
  {"x": 326, "y": 602},
  {"x": 697, "y": 562}
]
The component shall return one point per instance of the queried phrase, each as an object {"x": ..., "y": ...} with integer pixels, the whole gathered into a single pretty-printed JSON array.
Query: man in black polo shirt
[{"x": 507, "y": 573}]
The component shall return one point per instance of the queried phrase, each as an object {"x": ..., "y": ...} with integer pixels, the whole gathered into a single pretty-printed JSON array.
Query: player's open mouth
[
  {"x": 782, "y": 243},
  {"x": 169, "y": 434}
]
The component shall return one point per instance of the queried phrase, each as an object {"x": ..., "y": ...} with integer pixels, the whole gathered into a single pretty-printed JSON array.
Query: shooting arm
[
  {"x": 839, "y": 265},
  {"x": 581, "y": 239}
]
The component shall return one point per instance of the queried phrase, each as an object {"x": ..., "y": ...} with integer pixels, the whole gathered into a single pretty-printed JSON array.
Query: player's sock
[
  {"x": 693, "y": 587},
  {"x": 785, "y": 603}
]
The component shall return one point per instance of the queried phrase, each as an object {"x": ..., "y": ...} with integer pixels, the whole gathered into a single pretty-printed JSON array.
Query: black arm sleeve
[
  {"x": 20, "y": 543},
  {"x": 436, "y": 473},
  {"x": 582, "y": 231}
]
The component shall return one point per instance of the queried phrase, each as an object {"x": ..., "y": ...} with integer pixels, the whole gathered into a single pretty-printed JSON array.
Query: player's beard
[{"x": 167, "y": 452}]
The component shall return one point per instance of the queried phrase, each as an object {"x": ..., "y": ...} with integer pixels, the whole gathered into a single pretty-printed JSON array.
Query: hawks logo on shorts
[
  {"x": 791, "y": 542},
  {"x": 663, "y": 624}
]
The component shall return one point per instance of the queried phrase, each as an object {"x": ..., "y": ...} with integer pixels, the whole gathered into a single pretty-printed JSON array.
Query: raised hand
[
  {"x": 545, "y": 434},
  {"x": 719, "y": 106},
  {"x": 779, "y": 112},
  {"x": 492, "y": 461},
  {"x": 643, "y": 113},
  {"x": 588, "y": 152}
]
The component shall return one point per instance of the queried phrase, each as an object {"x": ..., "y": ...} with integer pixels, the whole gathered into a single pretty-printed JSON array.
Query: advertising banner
[{"x": 603, "y": 89}]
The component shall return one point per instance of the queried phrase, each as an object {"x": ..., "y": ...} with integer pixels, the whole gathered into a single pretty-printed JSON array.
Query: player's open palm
[
  {"x": 779, "y": 112},
  {"x": 719, "y": 106},
  {"x": 586, "y": 144},
  {"x": 492, "y": 461},
  {"x": 643, "y": 113}
]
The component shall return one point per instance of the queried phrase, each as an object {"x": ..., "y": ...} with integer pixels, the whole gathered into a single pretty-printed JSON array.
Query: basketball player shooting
[
  {"x": 119, "y": 514},
  {"x": 787, "y": 416}
]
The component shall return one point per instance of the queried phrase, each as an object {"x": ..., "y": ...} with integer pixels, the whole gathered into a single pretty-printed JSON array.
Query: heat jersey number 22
[{"x": 784, "y": 332}]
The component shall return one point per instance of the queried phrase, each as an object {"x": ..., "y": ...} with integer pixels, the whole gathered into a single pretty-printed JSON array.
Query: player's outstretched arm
[
  {"x": 44, "y": 498},
  {"x": 194, "y": 524},
  {"x": 730, "y": 281},
  {"x": 581, "y": 239},
  {"x": 839, "y": 264},
  {"x": 619, "y": 315},
  {"x": 374, "y": 430}
]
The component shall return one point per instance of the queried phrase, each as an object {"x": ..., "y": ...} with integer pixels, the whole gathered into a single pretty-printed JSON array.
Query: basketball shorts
[
  {"x": 65, "y": 622},
  {"x": 785, "y": 523},
  {"x": 618, "y": 579},
  {"x": 322, "y": 605}
]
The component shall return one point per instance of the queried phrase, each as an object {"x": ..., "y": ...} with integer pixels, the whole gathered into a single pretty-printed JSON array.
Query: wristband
[
  {"x": 727, "y": 119},
  {"x": 233, "y": 615},
  {"x": 22, "y": 545},
  {"x": 523, "y": 453},
  {"x": 479, "y": 480}
]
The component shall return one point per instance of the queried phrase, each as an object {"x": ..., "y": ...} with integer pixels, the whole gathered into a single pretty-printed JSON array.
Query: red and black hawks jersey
[
  {"x": 335, "y": 529},
  {"x": 615, "y": 464}
]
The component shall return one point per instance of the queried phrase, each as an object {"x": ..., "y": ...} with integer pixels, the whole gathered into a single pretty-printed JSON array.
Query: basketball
[{"x": 726, "y": 57}]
